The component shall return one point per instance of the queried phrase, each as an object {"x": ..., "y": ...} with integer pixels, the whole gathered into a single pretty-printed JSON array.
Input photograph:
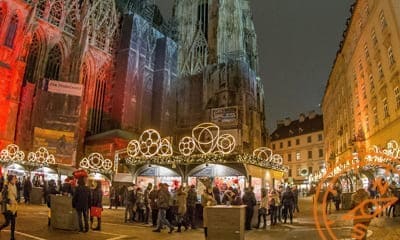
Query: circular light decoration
[
  {"x": 41, "y": 156},
  {"x": 96, "y": 162},
  {"x": 133, "y": 148},
  {"x": 165, "y": 149},
  {"x": 226, "y": 143},
  {"x": 263, "y": 153},
  {"x": 84, "y": 163},
  {"x": 277, "y": 159},
  {"x": 3, "y": 155},
  {"x": 12, "y": 153},
  {"x": 205, "y": 136},
  {"x": 187, "y": 146},
  {"x": 149, "y": 143}
]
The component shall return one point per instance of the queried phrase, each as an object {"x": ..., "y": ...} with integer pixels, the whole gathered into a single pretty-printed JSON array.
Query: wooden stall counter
[{"x": 225, "y": 222}]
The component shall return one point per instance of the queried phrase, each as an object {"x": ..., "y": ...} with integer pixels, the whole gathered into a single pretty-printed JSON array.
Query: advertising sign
[
  {"x": 225, "y": 116},
  {"x": 59, "y": 143},
  {"x": 68, "y": 88}
]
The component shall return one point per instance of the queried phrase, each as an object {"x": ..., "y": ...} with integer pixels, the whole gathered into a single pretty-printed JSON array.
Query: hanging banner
[
  {"x": 225, "y": 116},
  {"x": 66, "y": 88}
]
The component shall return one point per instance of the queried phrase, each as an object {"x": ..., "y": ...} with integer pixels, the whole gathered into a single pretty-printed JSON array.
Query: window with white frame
[
  {"x": 385, "y": 108},
  {"x": 374, "y": 38},
  {"x": 380, "y": 71},
  {"x": 397, "y": 96},
  {"x": 366, "y": 51},
  {"x": 371, "y": 83},
  {"x": 375, "y": 112},
  {"x": 391, "y": 56},
  {"x": 298, "y": 156},
  {"x": 382, "y": 20}
]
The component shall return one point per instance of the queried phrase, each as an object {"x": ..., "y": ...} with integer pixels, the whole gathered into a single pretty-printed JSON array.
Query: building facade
[
  {"x": 301, "y": 144},
  {"x": 362, "y": 98}
]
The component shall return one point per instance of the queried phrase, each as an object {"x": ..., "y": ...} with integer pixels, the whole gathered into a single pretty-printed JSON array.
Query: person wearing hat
[{"x": 358, "y": 203}]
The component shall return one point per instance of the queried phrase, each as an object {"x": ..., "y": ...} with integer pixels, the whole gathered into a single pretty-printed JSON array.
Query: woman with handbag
[
  {"x": 96, "y": 205},
  {"x": 9, "y": 204},
  {"x": 262, "y": 211}
]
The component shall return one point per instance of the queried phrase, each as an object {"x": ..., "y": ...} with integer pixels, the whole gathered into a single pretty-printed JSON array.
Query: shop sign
[{"x": 225, "y": 116}]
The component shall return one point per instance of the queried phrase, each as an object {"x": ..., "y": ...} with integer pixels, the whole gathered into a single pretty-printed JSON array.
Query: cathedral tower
[
  {"x": 217, "y": 64},
  {"x": 214, "y": 31}
]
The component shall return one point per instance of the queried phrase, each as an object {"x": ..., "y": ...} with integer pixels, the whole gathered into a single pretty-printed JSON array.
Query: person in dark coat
[
  {"x": 80, "y": 202},
  {"x": 27, "y": 190},
  {"x": 191, "y": 206},
  {"x": 153, "y": 205},
  {"x": 217, "y": 195},
  {"x": 288, "y": 204},
  {"x": 250, "y": 201},
  {"x": 66, "y": 188},
  {"x": 96, "y": 200},
  {"x": 52, "y": 189},
  {"x": 163, "y": 199}
]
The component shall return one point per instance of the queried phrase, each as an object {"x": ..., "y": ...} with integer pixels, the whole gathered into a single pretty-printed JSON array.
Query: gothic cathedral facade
[{"x": 73, "y": 70}]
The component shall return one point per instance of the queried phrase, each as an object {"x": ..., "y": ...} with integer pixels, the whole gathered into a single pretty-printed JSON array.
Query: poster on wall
[
  {"x": 225, "y": 116},
  {"x": 59, "y": 143}
]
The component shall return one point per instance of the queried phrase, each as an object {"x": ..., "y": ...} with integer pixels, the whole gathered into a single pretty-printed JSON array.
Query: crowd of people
[{"x": 176, "y": 208}]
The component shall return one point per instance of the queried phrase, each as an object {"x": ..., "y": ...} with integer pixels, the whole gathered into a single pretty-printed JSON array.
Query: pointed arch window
[
  {"x": 11, "y": 31},
  {"x": 70, "y": 22},
  {"x": 41, "y": 7},
  {"x": 202, "y": 18},
  {"x": 55, "y": 14},
  {"x": 53, "y": 63},
  {"x": 32, "y": 60},
  {"x": 2, "y": 14},
  {"x": 101, "y": 37},
  {"x": 96, "y": 112}
]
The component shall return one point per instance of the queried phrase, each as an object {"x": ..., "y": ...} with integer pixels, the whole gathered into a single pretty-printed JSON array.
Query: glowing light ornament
[
  {"x": 263, "y": 153},
  {"x": 12, "y": 153},
  {"x": 165, "y": 149},
  {"x": 187, "y": 146},
  {"x": 149, "y": 143},
  {"x": 226, "y": 143},
  {"x": 41, "y": 156},
  {"x": 205, "y": 136},
  {"x": 96, "y": 162},
  {"x": 133, "y": 148}
]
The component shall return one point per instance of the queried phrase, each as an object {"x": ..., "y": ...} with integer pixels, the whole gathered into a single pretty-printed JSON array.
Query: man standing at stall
[
  {"x": 191, "y": 206},
  {"x": 80, "y": 202},
  {"x": 250, "y": 201}
]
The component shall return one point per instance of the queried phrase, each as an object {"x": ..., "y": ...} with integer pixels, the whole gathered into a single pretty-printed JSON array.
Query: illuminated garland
[
  {"x": 12, "y": 154},
  {"x": 41, "y": 157},
  {"x": 95, "y": 162},
  {"x": 209, "y": 158}
]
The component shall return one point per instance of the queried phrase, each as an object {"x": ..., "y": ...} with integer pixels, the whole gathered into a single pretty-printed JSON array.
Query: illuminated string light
[
  {"x": 41, "y": 156},
  {"x": 96, "y": 162}
]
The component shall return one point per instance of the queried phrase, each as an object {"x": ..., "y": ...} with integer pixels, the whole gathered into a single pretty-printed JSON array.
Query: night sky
[{"x": 297, "y": 41}]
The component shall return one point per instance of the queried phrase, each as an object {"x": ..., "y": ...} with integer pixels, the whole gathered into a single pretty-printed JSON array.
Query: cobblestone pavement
[{"x": 32, "y": 224}]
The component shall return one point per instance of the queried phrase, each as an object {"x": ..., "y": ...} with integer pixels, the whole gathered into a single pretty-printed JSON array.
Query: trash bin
[
  {"x": 63, "y": 216},
  {"x": 346, "y": 201},
  {"x": 36, "y": 196},
  {"x": 225, "y": 222}
]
